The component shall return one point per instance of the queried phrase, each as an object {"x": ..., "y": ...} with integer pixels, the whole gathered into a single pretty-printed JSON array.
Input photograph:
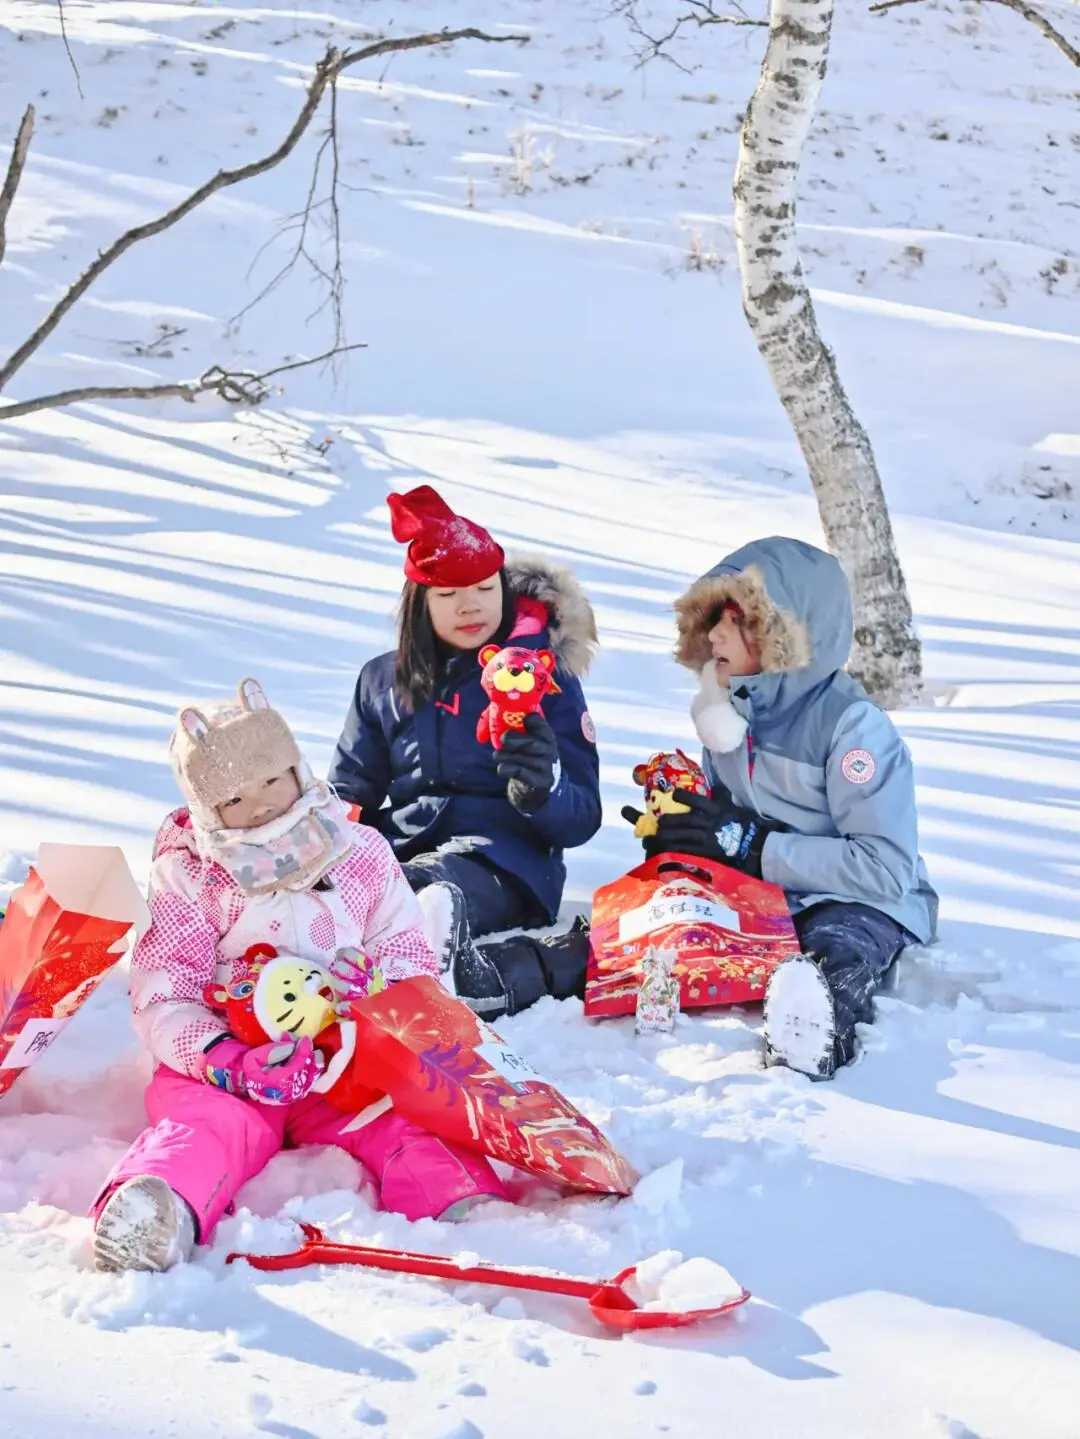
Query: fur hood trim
[
  {"x": 781, "y": 637},
  {"x": 571, "y": 624}
]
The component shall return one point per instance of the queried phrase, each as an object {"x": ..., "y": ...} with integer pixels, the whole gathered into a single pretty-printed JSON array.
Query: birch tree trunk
[{"x": 854, "y": 515}]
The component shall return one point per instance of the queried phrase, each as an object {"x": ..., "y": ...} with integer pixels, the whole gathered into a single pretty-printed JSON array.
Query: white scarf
[{"x": 292, "y": 852}]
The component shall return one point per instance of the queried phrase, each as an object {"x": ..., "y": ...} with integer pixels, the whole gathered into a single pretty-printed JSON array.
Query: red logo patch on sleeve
[
  {"x": 588, "y": 729},
  {"x": 858, "y": 766}
]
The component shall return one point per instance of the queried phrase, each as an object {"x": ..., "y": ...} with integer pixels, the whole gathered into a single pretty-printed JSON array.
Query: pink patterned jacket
[{"x": 202, "y": 923}]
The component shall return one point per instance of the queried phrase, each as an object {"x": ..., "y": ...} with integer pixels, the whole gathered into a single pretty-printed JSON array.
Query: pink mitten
[
  {"x": 279, "y": 1072},
  {"x": 354, "y": 975}
]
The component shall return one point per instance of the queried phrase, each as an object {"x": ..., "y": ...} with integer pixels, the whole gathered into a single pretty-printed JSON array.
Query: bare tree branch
[
  {"x": 239, "y": 387},
  {"x": 699, "y": 14},
  {"x": 67, "y": 47},
  {"x": 14, "y": 173},
  {"x": 1037, "y": 18},
  {"x": 300, "y": 221},
  {"x": 337, "y": 275},
  {"x": 332, "y": 65}
]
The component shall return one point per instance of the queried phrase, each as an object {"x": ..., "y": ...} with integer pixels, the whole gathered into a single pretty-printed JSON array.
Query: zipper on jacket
[{"x": 444, "y": 707}]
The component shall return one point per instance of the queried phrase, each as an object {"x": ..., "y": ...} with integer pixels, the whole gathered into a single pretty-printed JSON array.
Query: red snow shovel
[{"x": 607, "y": 1299}]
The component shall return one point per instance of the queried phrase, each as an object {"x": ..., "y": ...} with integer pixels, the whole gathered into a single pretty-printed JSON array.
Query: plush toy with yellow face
[
  {"x": 515, "y": 680},
  {"x": 280, "y": 996},
  {"x": 660, "y": 777}
]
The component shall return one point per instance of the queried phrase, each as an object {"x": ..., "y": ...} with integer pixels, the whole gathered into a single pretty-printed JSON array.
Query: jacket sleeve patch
[
  {"x": 858, "y": 766},
  {"x": 588, "y": 729}
]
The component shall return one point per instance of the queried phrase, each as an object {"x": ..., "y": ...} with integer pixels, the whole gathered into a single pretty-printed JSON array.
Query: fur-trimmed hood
[
  {"x": 796, "y": 603},
  {"x": 569, "y": 622}
]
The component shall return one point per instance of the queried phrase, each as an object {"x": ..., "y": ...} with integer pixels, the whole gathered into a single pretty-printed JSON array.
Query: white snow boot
[
  {"x": 144, "y": 1225},
  {"x": 466, "y": 971},
  {"x": 800, "y": 1019},
  {"x": 443, "y": 908}
]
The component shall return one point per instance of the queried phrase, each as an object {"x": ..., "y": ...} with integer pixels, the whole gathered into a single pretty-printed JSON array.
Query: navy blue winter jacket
[{"x": 425, "y": 779}]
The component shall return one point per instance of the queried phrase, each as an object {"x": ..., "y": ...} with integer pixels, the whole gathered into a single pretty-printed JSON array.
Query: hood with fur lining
[
  {"x": 570, "y": 622},
  {"x": 796, "y": 604}
]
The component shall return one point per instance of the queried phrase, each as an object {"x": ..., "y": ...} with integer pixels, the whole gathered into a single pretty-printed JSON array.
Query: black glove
[
  {"x": 716, "y": 829},
  {"x": 529, "y": 763}
]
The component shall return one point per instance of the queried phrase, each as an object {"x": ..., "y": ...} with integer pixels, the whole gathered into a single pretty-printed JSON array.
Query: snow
[
  {"x": 668, "y": 1282},
  {"x": 539, "y": 258}
]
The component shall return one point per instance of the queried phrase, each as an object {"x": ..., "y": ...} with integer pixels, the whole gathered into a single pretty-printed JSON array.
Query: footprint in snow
[
  {"x": 940, "y": 1426},
  {"x": 259, "y": 1405},
  {"x": 463, "y": 1430},
  {"x": 531, "y": 1353},
  {"x": 472, "y": 1390},
  {"x": 421, "y": 1340},
  {"x": 366, "y": 1413}
]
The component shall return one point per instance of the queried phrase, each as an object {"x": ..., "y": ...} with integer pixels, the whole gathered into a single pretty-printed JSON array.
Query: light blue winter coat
[{"x": 819, "y": 754}]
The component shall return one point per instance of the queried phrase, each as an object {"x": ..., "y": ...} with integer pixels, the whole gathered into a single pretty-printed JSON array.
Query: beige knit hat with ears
[{"x": 216, "y": 750}]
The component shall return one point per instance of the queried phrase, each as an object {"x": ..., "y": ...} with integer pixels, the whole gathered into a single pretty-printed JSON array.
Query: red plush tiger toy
[{"x": 516, "y": 681}]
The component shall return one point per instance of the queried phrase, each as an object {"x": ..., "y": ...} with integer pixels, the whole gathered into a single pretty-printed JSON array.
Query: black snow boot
[{"x": 530, "y": 967}]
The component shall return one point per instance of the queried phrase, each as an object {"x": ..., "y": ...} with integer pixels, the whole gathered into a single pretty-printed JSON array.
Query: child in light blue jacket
[{"x": 813, "y": 788}]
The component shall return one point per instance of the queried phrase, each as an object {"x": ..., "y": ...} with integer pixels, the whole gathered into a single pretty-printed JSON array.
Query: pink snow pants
[{"x": 206, "y": 1143}]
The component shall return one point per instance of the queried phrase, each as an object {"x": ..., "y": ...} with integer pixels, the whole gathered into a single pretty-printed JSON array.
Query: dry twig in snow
[
  {"x": 67, "y": 47},
  {"x": 333, "y": 279},
  {"x": 699, "y": 14}
]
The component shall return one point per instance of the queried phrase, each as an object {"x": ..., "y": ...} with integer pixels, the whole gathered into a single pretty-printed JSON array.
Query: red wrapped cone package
[
  {"x": 63, "y": 930},
  {"x": 729, "y": 933},
  {"x": 446, "y": 1069}
]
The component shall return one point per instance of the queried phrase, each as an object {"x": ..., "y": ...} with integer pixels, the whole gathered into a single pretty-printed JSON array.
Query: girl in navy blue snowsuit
[{"x": 480, "y": 833}]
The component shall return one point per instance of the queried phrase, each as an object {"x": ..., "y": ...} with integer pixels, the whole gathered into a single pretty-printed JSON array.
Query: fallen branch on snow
[
  {"x": 1037, "y": 18},
  {"x": 332, "y": 65},
  {"x": 239, "y": 387},
  {"x": 14, "y": 173}
]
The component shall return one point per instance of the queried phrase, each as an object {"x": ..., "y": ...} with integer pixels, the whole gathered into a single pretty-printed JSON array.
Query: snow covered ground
[{"x": 539, "y": 258}]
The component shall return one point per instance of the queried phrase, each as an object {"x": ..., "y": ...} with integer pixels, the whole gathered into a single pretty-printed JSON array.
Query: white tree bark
[{"x": 854, "y": 515}]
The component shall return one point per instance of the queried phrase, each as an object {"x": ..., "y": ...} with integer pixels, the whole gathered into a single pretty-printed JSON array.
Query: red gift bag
[
  {"x": 63, "y": 930},
  {"x": 729, "y": 932},
  {"x": 447, "y": 1070}
]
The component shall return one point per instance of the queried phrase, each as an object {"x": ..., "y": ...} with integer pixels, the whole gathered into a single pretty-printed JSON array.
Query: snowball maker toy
[
  {"x": 515, "y": 681},
  {"x": 660, "y": 777}
]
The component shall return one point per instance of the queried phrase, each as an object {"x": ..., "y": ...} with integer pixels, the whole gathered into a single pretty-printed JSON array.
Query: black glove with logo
[
  {"x": 529, "y": 763},
  {"x": 716, "y": 829}
]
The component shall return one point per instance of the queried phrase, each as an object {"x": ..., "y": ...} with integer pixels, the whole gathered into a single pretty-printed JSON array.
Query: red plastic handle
[
  {"x": 696, "y": 865},
  {"x": 317, "y": 1249}
]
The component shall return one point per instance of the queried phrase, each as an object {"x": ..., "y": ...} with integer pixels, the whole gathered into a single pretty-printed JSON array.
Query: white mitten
[{"x": 719, "y": 724}]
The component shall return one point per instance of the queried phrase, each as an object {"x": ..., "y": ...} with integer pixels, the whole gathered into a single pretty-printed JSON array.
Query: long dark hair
[{"x": 421, "y": 655}]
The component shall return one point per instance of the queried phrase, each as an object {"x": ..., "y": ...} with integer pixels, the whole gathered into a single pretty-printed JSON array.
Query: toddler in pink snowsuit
[{"x": 263, "y": 853}]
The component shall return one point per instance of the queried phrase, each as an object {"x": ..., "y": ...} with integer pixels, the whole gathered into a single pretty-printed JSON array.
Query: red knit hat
[{"x": 444, "y": 549}]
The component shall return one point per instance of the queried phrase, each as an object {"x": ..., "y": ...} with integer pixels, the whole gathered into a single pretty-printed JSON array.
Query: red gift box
[
  {"x": 447, "y": 1070},
  {"x": 729, "y": 933},
  {"x": 63, "y": 930}
]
